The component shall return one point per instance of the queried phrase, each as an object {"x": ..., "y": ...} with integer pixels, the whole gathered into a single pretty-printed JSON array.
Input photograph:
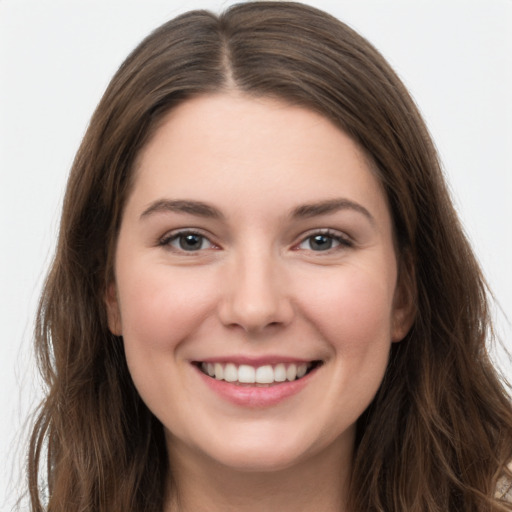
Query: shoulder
[{"x": 504, "y": 487}]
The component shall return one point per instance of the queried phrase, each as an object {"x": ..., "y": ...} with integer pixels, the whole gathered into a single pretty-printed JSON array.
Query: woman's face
[{"x": 256, "y": 245}]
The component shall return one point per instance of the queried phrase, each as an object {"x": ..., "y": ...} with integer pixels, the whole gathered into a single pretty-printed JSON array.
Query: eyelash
[
  {"x": 342, "y": 240},
  {"x": 171, "y": 237}
]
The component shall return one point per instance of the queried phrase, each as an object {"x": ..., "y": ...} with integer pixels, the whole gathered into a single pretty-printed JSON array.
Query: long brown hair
[{"x": 438, "y": 434}]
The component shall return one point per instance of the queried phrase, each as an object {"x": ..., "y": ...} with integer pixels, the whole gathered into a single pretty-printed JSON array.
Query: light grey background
[{"x": 56, "y": 58}]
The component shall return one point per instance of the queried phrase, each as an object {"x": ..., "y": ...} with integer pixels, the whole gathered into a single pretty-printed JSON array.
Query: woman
[{"x": 262, "y": 298}]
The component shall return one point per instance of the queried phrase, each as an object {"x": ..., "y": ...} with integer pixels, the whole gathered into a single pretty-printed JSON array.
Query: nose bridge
[{"x": 255, "y": 295}]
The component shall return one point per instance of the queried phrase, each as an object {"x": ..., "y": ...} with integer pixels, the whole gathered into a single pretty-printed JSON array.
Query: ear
[
  {"x": 404, "y": 301},
  {"x": 113, "y": 311}
]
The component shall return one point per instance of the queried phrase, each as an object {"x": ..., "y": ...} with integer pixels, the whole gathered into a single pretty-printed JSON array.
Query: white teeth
[
  {"x": 291, "y": 372},
  {"x": 280, "y": 373},
  {"x": 301, "y": 370},
  {"x": 219, "y": 371},
  {"x": 265, "y": 374},
  {"x": 246, "y": 374},
  {"x": 230, "y": 373}
]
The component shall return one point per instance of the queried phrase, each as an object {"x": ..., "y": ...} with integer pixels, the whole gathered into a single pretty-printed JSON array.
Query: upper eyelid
[
  {"x": 185, "y": 231},
  {"x": 325, "y": 231}
]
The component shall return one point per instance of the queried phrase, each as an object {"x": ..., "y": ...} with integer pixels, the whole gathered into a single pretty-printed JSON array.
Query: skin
[{"x": 256, "y": 286}]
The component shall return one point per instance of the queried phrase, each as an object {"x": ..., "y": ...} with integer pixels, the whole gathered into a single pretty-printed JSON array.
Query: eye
[
  {"x": 324, "y": 241},
  {"x": 188, "y": 241}
]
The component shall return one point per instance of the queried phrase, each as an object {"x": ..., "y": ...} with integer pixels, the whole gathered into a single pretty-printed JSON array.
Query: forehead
[{"x": 230, "y": 147}]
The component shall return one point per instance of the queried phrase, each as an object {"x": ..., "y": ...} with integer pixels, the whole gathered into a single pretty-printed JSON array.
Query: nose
[{"x": 255, "y": 294}]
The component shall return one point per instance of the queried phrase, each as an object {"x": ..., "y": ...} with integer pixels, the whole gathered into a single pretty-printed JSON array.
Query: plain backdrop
[{"x": 56, "y": 58}]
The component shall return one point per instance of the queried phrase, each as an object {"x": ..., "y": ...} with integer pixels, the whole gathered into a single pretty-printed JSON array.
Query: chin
[
  {"x": 259, "y": 459},
  {"x": 262, "y": 450}
]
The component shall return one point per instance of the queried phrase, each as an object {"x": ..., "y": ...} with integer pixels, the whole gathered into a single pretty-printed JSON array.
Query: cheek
[
  {"x": 354, "y": 315},
  {"x": 160, "y": 311},
  {"x": 353, "y": 310},
  {"x": 159, "y": 308}
]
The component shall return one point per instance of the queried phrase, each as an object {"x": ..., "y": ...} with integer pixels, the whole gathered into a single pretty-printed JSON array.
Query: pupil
[
  {"x": 190, "y": 242},
  {"x": 321, "y": 242}
]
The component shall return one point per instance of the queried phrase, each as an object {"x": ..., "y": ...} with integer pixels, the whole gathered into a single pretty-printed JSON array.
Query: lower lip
[{"x": 254, "y": 396}]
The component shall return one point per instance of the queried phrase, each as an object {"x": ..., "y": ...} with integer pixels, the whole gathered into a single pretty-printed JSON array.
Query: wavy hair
[{"x": 438, "y": 434}]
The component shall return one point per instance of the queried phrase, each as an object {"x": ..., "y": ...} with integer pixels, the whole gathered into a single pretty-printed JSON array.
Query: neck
[{"x": 317, "y": 483}]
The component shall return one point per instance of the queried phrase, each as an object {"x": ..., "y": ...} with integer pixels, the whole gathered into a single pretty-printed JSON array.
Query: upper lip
[{"x": 255, "y": 361}]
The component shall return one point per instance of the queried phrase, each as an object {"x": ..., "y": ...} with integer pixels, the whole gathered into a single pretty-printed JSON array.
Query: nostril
[{"x": 254, "y": 300}]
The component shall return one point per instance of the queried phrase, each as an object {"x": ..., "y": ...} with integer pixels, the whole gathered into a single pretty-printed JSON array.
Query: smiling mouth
[{"x": 260, "y": 376}]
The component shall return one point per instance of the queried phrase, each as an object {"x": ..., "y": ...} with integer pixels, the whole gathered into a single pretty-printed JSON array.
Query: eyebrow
[
  {"x": 182, "y": 206},
  {"x": 303, "y": 211},
  {"x": 330, "y": 206}
]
